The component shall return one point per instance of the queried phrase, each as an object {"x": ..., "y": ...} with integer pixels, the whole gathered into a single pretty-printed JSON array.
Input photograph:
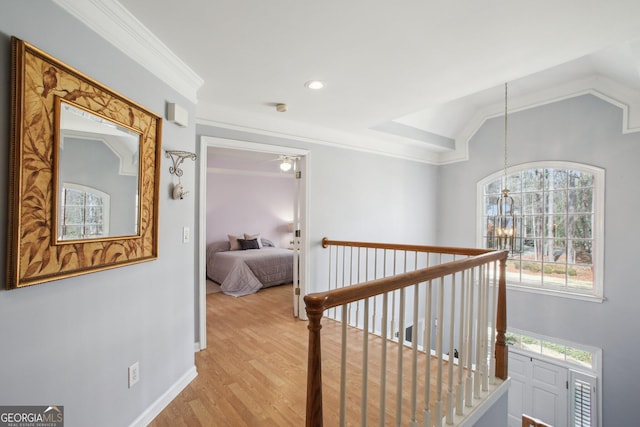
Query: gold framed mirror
[{"x": 66, "y": 217}]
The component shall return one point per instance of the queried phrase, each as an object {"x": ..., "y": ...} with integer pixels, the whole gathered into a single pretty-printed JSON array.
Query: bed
[{"x": 243, "y": 272}]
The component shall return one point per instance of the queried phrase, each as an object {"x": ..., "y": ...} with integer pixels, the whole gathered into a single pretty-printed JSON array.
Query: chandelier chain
[{"x": 505, "y": 135}]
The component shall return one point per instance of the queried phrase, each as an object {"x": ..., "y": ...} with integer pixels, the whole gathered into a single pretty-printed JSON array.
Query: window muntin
[
  {"x": 552, "y": 349},
  {"x": 84, "y": 212},
  {"x": 559, "y": 217}
]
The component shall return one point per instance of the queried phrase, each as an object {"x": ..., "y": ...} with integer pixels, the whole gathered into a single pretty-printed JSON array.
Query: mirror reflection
[{"x": 97, "y": 178}]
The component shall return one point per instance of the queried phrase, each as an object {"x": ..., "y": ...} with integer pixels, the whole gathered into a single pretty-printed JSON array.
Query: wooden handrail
[
  {"x": 334, "y": 298},
  {"x": 317, "y": 303},
  {"x": 528, "y": 421},
  {"x": 452, "y": 250}
]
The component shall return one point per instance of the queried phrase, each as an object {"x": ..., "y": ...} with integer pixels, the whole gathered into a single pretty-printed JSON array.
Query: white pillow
[
  {"x": 254, "y": 236},
  {"x": 233, "y": 242}
]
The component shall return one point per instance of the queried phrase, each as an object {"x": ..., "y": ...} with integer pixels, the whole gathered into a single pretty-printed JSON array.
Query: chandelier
[{"x": 504, "y": 224}]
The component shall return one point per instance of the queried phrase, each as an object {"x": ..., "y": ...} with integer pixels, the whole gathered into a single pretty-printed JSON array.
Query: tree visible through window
[
  {"x": 84, "y": 212},
  {"x": 557, "y": 213}
]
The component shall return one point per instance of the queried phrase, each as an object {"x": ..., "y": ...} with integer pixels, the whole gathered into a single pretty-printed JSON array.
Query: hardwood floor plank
[{"x": 254, "y": 371}]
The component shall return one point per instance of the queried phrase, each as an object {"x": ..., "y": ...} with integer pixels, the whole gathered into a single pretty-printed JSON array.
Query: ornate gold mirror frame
[{"x": 39, "y": 81}]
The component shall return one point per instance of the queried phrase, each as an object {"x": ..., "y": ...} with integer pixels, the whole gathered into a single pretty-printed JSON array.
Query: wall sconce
[{"x": 177, "y": 157}]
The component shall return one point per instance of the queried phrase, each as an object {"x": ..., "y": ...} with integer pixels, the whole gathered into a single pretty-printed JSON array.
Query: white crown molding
[
  {"x": 623, "y": 97},
  {"x": 369, "y": 142},
  {"x": 114, "y": 23}
]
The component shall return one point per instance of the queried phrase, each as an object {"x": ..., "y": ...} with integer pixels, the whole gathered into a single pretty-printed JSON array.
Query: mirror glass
[{"x": 97, "y": 178}]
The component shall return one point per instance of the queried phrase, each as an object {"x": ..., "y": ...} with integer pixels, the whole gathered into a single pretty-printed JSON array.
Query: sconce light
[{"x": 177, "y": 157}]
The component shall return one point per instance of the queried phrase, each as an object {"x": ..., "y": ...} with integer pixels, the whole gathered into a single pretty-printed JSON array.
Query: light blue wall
[
  {"x": 588, "y": 130},
  {"x": 70, "y": 342}
]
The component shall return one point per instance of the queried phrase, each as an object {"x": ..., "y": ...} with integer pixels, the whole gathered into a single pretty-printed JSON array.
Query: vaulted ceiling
[{"x": 411, "y": 78}]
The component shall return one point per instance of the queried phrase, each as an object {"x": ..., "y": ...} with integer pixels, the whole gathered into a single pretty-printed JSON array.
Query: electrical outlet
[
  {"x": 134, "y": 374},
  {"x": 186, "y": 235}
]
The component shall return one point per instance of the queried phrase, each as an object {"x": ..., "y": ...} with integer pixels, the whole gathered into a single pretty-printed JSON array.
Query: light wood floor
[{"x": 253, "y": 372}]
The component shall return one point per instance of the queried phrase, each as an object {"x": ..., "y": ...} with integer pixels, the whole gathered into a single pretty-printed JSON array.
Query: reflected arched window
[{"x": 84, "y": 212}]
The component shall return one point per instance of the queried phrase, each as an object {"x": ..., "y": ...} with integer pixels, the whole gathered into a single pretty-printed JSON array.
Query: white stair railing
[{"x": 431, "y": 310}]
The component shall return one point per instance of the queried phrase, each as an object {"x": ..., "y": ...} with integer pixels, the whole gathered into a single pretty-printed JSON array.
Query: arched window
[
  {"x": 84, "y": 212},
  {"x": 559, "y": 216}
]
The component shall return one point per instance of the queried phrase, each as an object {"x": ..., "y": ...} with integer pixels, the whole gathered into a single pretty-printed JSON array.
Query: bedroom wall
[
  {"x": 583, "y": 129},
  {"x": 70, "y": 342},
  {"x": 244, "y": 199}
]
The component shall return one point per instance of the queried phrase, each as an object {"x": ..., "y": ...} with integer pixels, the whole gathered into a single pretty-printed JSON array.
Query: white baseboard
[{"x": 156, "y": 407}]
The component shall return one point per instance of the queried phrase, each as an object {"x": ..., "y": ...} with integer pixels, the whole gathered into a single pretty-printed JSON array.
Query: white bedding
[{"x": 244, "y": 272}]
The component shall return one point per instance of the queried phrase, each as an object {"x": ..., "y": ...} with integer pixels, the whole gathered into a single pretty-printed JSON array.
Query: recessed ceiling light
[{"x": 314, "y": 84}]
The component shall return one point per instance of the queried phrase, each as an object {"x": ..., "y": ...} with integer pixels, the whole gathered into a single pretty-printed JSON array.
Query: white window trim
[{"x": 598, "y": 230}]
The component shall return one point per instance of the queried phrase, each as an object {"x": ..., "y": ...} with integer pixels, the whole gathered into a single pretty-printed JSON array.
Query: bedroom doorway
[{"x": 299, "y": 225}]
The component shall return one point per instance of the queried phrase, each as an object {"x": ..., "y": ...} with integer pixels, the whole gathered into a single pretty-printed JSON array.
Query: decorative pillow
[
  {"x": 254, "y": 236},
  {"x": 248, "y": 244},
  {"x": 234, "y": 244}
]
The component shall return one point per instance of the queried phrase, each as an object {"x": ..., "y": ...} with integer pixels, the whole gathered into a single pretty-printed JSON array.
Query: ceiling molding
[
  {"x": 623, "y": 97},
  {"x": 264, "y": 125},
  {"x": 114, "y": 23},
  {"x": 438, "y": 142}
]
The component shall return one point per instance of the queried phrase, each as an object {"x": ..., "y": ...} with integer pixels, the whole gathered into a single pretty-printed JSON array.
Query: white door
[
  {"x": 300, "y": 241},
  {"x": 539, "y": 389},
  {"x": 519, "y": 371},
  {"x": 549, "y": 393},
  {"x": 296, "y": 238}
]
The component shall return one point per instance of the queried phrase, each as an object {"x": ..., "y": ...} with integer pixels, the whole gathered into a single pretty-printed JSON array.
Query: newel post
[
  {"x": 314, "y": 365},
  {"x": 502, "y": 351}
]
